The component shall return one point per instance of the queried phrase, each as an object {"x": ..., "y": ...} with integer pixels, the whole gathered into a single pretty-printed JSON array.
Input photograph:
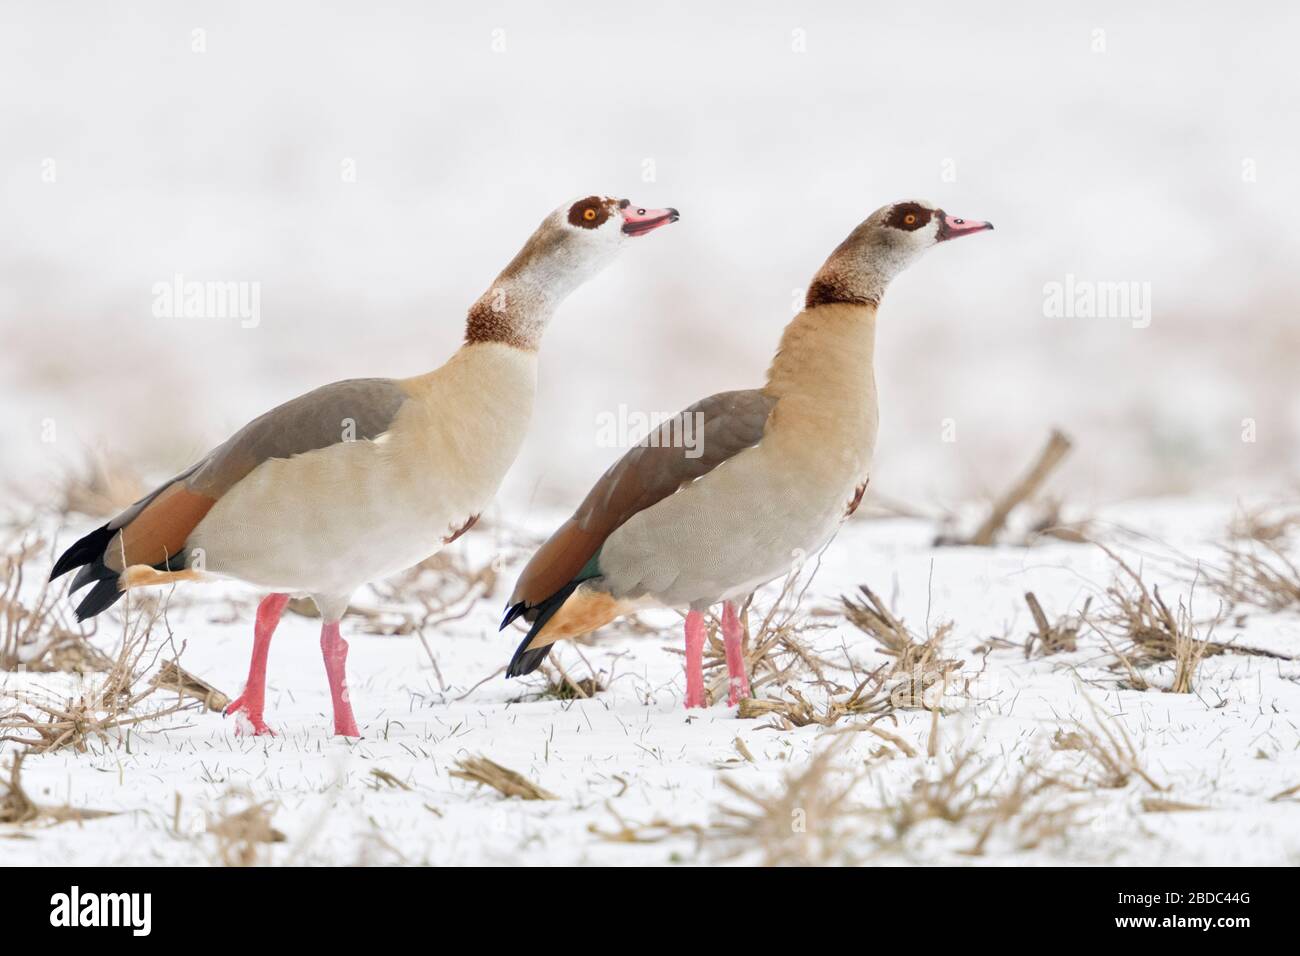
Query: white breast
[
  {"x": 745, "y": 523},
  {"x": 333, "y": 519}
]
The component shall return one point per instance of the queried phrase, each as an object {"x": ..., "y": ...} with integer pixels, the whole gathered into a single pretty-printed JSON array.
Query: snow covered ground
[
  {"x": 638, "y": 780},
  {"x": 370, "y": 174}
]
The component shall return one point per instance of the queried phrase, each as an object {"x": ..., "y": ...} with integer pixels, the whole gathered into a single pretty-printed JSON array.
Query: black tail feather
[
  {"x": 101, "y": 597},
  {"x": 88, "y": 554},
  {"x": 87, "y": 550},
  {"x": 526, "y": 661},
  {"x": 513, "y": 612},
  {"x": 89, "y": 574}
]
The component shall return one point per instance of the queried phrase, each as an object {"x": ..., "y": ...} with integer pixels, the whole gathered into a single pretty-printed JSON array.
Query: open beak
[
  {"x": 950, "y": 227},
  {"x": 637, "y": 222}
]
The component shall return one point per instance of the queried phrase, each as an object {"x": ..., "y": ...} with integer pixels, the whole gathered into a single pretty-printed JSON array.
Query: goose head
[
  {"x": 884, "y": 244},
  {"x": 598, "y": 223},
  {"x": 581, "y": 237},
  {"x": 571, "y": 245}
]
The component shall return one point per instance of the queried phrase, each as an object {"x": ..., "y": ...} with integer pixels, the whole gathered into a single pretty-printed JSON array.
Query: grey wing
[
  {"x": 154, "y": 530},
  {"x": 682, "y": 449},
  {"x": 355, "y": 409},
  {"x": 687, "y": 446}
]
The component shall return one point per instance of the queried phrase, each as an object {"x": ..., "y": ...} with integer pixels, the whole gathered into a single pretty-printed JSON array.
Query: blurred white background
[{"x": 773, "y": 126}]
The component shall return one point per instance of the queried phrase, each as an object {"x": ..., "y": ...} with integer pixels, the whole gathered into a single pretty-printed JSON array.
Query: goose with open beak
[
  {"x": 361, "y": 478},
  {"x": 777, "y": 471}
]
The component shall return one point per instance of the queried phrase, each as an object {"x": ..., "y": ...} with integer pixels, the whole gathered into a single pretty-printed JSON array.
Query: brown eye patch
[
  {"x": 589, "y": 213},
  {"x": 908, "y": 216}
]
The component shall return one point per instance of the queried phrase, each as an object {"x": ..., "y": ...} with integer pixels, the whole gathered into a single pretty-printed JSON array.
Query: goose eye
[
  {"x": 910, "y": 219},
  {"x": 589, "y": 213}
]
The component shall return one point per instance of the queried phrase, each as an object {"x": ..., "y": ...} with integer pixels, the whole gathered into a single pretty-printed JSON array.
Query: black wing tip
[
  {"x": 84, "y": 550},
  {"x": 512, "y": 613},
  {"x": 526, "y": 661},
  {"x": 101, "y": 597},
  {"x": 87, "y": 553}
]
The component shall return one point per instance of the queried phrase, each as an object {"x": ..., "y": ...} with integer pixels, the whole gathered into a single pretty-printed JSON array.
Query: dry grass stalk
[
  {"x": 1111, "y": 760},
  {"x": 1161, "y": 805},
  {"x": 1049, "y": 638},
  {"x": 1271, "y": 524},
  {"x": 796, "y": 712},
  {"x": 870, "y": 697},
  {"x": 508, "y": 783},
  {"x": 560, "y": 686},
  {"x": 1028, "y": 811},
  {"x": 17, "y": 807},
  {"x": 243, "y": 834},
  {"x": 105, "y": 485},
  {"x": 918, "y": 663},
  {"x": 104, "y": 711},
  {"x": 1188, "y": 651},
  {"x": 810, "y": 821},
  {"x": 1286, "y": 794},
  {"x": 1152, "y": 632},
  {"x": 656, "y": 831},
  {"x": 1031, "y": 811},
  {"x": 387, "y": 779},
  {"x": 36, "y": 633},
  {"x": 950, "y": 796},
  {"x": 1261, "y": 575},
  {"x": 903, "y": 747},
  {"x": 171, "y": 676},
  {"x": 1050, "y": 524},
  {"x": 777, "y": 650},
  {"x": 1057, "y": 447},
  {"x": 445, "y": 586}
]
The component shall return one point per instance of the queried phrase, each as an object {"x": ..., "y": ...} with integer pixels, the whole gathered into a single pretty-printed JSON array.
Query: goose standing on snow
[
  {"x": 362, "y": 478},
  {"x": 781, "y": 467}
]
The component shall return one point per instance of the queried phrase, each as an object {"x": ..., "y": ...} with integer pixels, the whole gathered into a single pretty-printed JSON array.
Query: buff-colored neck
[{"x": 826, "y": 350}]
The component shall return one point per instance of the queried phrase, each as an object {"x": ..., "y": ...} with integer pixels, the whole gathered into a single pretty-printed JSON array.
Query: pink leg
[
  {"x": 335, "y": 651},
  {"x": 732, "y": 635},
  {"x": 253, "y": 700},
  {"x": 695, "y": 660}
]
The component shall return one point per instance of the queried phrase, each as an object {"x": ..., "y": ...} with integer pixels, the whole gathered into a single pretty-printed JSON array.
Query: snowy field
[
  {"x": 990, "y": 765},
  {"x": 369, "y": 172}
]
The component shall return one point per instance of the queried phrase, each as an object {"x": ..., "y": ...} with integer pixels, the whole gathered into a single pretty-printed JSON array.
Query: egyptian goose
[
  {"x": 362, "y": 478},
  {"x": 781, "y": 467}
]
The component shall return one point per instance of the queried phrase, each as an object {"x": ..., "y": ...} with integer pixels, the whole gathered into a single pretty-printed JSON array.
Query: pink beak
[
  {"x": 950, "y": 227},
  {"x": 637, "y": 221}
]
